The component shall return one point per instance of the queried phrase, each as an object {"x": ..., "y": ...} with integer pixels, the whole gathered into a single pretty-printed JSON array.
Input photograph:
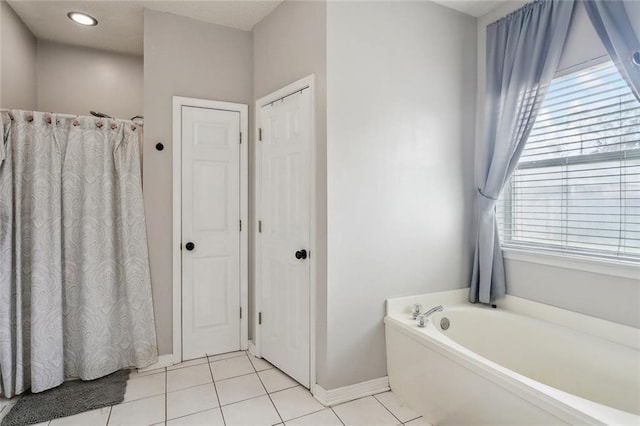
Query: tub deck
[{"x": 461, "y": 376}]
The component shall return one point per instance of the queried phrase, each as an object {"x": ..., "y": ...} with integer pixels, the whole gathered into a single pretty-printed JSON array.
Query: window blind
[{"x": 577, "y": 184}]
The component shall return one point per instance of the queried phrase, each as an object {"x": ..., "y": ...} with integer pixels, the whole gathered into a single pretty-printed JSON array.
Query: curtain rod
[
  {"x": 80, "y": 116},
  {"x": 286, "y": 96}
]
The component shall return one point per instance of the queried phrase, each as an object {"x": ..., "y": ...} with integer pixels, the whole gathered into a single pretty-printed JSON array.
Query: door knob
[
  {"x": 301, "y": 254},
  {"x": 189, "y": 246}
]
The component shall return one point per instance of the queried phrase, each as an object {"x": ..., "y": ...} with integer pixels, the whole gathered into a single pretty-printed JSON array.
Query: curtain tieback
[
  {"x": 486, "y": 203},
  {"x": 486, "y": 196}
]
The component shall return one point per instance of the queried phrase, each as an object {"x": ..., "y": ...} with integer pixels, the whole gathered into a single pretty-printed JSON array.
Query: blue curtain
[
  {"x": 611, "y": 21},
  {"x": 523, "y": 52}
]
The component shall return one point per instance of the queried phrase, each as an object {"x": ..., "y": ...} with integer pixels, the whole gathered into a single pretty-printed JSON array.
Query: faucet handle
[
  {"x": 415, "y": 310},
  {"x": 422, "y": 321}
]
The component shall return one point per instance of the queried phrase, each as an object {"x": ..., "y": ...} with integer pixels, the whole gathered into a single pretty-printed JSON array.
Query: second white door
[
  {"x": 284, "y": 244},
  {"x": 210, "y": 231}
]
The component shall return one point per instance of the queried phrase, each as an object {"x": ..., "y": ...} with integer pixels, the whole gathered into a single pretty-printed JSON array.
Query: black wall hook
[{"x": 159, "y": 146}]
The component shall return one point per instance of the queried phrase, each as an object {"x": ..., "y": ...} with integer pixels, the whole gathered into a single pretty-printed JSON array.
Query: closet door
[
  {"x": 210, "y": 231},
  {"x": 285, "y": 151}
]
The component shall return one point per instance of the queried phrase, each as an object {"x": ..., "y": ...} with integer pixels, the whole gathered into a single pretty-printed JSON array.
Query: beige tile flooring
[{"x": 234, "y": 389}]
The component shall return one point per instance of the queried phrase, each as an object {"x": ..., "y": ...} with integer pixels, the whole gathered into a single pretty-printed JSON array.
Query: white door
[
  {"x": 210, "y": 231},
  {"x": 285, "y": 234}
]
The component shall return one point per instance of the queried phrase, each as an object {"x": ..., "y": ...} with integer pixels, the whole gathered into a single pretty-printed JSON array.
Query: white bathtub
[{"x": 522, "y": 363}]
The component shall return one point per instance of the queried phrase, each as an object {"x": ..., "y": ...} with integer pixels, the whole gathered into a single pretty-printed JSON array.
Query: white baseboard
[
  {"x": 351, "y": 392},
  {"x": 252, "y": 349},
  {"x": 163, "y": 361}
]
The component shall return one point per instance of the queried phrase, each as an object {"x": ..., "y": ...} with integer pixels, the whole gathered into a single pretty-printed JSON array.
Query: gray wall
[
  {"x": 76, "y": 80},
  {"x": 598, "y": 290},
  {"x": 182, "y": 57},
  {"x": 593, "y": 292},
  {"x": 401, "y": 90},
  {"x": 288, "y": 45},
  {"x": 47, "y": 76},
  {"x": 18, "y": 62}
]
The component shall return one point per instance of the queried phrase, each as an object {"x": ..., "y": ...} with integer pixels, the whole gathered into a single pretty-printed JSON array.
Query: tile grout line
[
  {"x": 192, "y": 385},
  {"x": 139, "y": 399},
  {"x": 164, "y": 371},
  {"x": 385, "y": 407},
  {"x": 215, "y": 389},
  {"x": 410, "y": 420},
  {"x": 175, "y": 367},
  {"x": 268, "y": 395},
  {"x": 336, "y": 414},
  {"x": 191, "y": 414},
  {"x": 264, "y": 369},
  {"x": 166, "y": 395},
  {"x": 234, "y": 377},
  {"x": 308, "y": 414},
  {"x": 214, "y": 382},
  {"x": 243, "y": 400},
  {"x": 108, "y": 417},
  {"x": 284, "y": 389},
  {"x": 223, "y": 359},
  {"x": 153, "y": 372},
  {"x": 10, "y": 403}
]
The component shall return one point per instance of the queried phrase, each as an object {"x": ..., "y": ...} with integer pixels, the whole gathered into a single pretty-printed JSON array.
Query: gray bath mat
[{"x": 69, "y": 398}]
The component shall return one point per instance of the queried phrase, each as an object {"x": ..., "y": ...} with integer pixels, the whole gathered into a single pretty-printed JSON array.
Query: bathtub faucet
[{"x": 422, "y": 318}]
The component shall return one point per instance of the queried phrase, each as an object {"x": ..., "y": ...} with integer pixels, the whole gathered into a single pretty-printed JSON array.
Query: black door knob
[
  {"x": 301, "y": 254},
  {"x": 189, "y": 246}
]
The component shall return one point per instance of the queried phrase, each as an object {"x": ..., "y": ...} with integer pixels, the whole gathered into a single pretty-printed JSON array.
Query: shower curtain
[{"x": 75, "y": 289}]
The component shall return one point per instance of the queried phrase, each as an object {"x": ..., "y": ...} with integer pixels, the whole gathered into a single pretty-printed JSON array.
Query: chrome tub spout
[{"x": 422, "y": 318}]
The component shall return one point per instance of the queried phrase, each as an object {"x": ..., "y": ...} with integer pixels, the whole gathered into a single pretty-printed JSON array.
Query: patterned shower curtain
[{"x": 75, "y": 288}]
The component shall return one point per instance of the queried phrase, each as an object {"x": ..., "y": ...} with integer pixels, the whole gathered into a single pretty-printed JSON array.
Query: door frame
[
  {"x": 178, "y": 103},
  {"x": 306, "y": 83}
]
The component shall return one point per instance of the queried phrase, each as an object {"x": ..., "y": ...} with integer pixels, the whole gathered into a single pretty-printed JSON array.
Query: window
[{"x": 577, "y": 185}]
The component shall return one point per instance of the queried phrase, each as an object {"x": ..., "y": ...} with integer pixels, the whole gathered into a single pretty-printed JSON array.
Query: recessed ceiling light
[{"x": 82, "y": 19}]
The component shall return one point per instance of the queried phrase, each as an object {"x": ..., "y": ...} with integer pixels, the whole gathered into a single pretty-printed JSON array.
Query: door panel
[
  {"x": 210, "y": 220},
  {"x": 215, "y": 270},
  {"x": 210, "y": 178},
  {"x": 285, "y": 211}
]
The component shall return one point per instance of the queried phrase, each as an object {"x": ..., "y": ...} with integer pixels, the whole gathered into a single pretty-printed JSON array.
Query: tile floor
[{"x": 233, "y": 389}]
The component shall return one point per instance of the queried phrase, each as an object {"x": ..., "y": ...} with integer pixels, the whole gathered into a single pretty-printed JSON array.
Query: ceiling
[
  {"x": 475, "y": 8},
  {"x": 121, "y": 21},
  {"x": 120, "y": 25}
]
